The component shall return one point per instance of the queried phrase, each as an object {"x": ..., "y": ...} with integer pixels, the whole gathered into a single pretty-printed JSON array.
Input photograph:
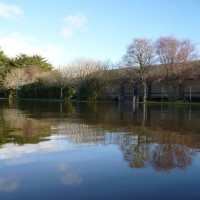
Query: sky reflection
[
  {"x": 98, "y": 151},
  {"x": 68, "y": 176},
  {"x": 13, "y": 154},
  {"x": 8, "y": 184}
]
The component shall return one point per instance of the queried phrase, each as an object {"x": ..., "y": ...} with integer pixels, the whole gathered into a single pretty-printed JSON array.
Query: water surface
[{"x": 68, "y": 150}]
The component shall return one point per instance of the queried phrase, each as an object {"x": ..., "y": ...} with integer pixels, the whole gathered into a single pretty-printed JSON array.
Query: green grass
[{"x": 173, "y": 102}]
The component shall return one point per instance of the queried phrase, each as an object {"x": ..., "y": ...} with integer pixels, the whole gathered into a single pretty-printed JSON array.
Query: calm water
[{"x": 53, "y": 150}]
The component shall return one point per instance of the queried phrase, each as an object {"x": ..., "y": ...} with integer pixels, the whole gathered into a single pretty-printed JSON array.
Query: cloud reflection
[
  {"x": 68, "y": 176},
  {"x": 14, "y": 154},
  {"x": 8, "y": 185}
]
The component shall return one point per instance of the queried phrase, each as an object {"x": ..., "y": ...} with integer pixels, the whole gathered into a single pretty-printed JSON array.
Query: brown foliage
[{"x": 175, "y": 56}]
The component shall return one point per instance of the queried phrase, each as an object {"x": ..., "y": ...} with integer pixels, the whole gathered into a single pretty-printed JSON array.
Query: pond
[{"x": 71, "y": 150}]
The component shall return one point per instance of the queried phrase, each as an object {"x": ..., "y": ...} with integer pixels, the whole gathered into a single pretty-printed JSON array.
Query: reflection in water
[
  {"x": 13, "y": 154},
  {"x": 69, "y": 150},
  {"x": 169, "y": 156},
  {"x": 17, "y": 123},
  {"x": 8, "y": 184},
  {"x": 140, "y": 152},
  {"x": 158, "y": 136},
  {"x": 68, "y": 176}
]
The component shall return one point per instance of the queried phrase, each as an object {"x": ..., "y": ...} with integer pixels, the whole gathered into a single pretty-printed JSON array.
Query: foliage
[
  {"x": 38, "y": 90},
  {"x": 33, "y": 77},
  {"x": 15, "y": 72},
  {"x": 90, "y": 89},
  {"x": 17, "y": 77},
  {"x": 20, "y": 140},
  {"x": 58, "y": 78},
  {"x": 24, "y": 60},
  {"x": 14, "y": 79},
  {"x": 5, "y": 64},
  {"x": 175, "y": 56},
  {"x": 87, "y": 76},
  {"x": 69, "y": 92}
]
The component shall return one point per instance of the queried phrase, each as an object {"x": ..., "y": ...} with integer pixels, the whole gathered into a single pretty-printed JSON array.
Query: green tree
[
  {"x": 39, "y": 90},
  {"x": 5, "y": 64},
  {"x": 18, "y": 77},
  {"x": 24, "y": 60},
  {"x": 61, "y": 78}
]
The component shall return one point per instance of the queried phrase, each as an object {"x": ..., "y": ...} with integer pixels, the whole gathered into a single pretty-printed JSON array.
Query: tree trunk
[
  {"x": 10, "y": 94},
  {"x": 61, "y": 92},
  {"x": 144, "y": 85}
]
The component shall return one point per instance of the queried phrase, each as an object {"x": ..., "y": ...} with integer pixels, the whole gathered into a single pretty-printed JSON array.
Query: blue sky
[{"x": 62, "y": 30}]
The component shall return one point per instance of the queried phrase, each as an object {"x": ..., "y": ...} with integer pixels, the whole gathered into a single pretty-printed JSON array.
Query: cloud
[
  {"x": 15, "y": 44},
  {"x": 10, "y": 11},
  {"x": 67, "y": 32},
  {"x": 77, "y": 20},
  {"x": 73, "y": 23}
]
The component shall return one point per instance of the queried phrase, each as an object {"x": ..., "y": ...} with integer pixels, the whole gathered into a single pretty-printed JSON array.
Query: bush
[
  {"x": 90, "y": 89},
  {"x": 38, "y": 90},
  {"x": 69, "y": 92}
]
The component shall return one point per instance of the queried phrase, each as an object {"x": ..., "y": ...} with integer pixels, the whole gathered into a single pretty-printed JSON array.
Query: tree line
[
  {"x": 173, "y": 59},
  {"x": 167, "y": 61}
]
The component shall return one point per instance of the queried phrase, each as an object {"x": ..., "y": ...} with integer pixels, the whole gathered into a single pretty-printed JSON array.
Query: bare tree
[
  {"x": 74, "y": 74},
  {"x": 18, "y": 77},
  {"x": 65, "y": 78},
  {"x": 90, "y": 77},
  {"x": 175, "y": 56},
  {"x": 84, "y": 67},
  {"x": 33, "y": 73},
  {"x": 14, "y": 80},
  {"x": 140, "y": 54},
  {"x": 61, "y": 78}
]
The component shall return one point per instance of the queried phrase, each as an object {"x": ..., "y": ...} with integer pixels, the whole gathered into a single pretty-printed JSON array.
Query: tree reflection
[
  {"x": 168, "y": 156},
  {"x": 17, "y": 127},
  {"x": 139, "y": 152},
  {"x": 164, "y": 146},
  {"x": 135, "y": 151},
  {"x": 160, "y": 137}
]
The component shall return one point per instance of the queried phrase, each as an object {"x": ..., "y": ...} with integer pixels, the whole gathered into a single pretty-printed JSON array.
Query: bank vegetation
[{"x": 167, "y": 61}]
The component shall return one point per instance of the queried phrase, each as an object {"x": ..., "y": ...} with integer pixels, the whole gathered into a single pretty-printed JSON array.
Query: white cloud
[
  {"x": 10, "y": 11},
  {"x": 67, "y": 31},
  {"x": 73, "y": 23},
  {"x": 77, "y": 20},
  {"x": 16, "y": 44}
]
